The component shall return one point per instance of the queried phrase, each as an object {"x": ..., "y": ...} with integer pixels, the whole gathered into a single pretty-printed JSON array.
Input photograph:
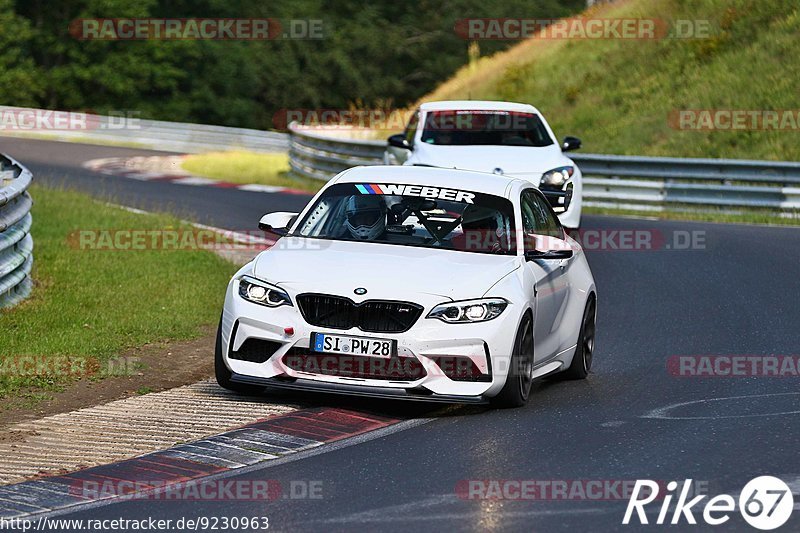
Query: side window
[
  {"x": 411, "y": 129},
  {"x": 528, "y": 217},
  {"x": 537, "y": 217}
]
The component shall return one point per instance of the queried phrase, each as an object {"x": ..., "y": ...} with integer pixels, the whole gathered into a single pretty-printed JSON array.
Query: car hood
[
  {"x": 525, "y": 160},
  {"x": 385, "y": 271}
]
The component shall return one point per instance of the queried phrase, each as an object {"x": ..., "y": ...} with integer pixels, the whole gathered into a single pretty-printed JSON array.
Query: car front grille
[{"x": 374, "y": 316}]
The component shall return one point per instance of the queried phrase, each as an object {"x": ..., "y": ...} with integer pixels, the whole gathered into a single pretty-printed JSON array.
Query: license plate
[{"x": 346, "y": 345}]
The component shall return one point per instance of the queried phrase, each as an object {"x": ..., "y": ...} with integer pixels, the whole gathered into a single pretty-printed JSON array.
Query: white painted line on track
[{"x": 661, "y": 412}]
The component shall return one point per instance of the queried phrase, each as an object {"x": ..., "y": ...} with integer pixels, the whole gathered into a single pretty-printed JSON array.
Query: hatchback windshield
[
  {"x": 501, "y": 128},
  {"x": 412, "y": 215}
]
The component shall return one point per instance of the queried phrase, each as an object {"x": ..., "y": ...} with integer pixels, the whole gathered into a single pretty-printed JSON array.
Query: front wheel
[
  {"x": 520, "y": 372},
  {"x": 582, "y": 360}
]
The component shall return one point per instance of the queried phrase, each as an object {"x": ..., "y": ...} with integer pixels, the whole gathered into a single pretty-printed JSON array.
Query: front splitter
[{"x": 396, "y": 393}]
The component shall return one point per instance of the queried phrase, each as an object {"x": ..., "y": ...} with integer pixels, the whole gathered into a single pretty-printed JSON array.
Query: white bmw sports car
[
  {"x": 499, "y": 137},
  {"x": 412, "y": 282}
]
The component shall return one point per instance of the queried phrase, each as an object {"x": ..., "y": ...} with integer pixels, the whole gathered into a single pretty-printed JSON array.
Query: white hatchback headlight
[
  {"x": 469, "y": 311},
  {"x": 557, "y": 177},
  {"x": 262, "y": 293}
]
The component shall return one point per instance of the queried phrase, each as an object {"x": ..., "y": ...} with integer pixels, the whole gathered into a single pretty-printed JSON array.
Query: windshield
[
  {"x": 500, "y": 128},
  {"x": 412, "y": 215}
]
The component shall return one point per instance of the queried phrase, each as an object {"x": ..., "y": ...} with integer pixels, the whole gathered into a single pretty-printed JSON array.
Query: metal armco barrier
[
  {"x": 630, "y": 182},
  {"x": 320, "y": 155},
  {"x": 655, "y": 182},
  {"x": 152, "y": 134},
  {"x": 16, "y": 244}
]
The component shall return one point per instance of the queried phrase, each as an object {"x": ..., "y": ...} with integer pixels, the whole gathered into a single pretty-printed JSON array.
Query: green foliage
[
  {"x": 19, "y": 80},
  {"x": 372, "y": 53}
]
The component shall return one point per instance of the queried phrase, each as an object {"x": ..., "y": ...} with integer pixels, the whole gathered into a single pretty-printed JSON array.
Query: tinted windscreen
[
  {"x": 501, "y": 128},
  {"x": 412, "y": 215}
]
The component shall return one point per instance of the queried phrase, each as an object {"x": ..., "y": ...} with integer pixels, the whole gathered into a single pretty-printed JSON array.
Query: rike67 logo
[{"x": 765, "y": 503}]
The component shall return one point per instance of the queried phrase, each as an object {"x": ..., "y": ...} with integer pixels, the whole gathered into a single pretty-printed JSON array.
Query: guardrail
[
  {"x": 320, "y": 156},
  {"x": 16, "y": 244},
  {"x": 617, "y": 181},
  {"x": 153, "y": 134}
]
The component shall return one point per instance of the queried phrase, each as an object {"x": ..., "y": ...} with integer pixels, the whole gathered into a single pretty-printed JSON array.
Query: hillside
[{"x": 621, "y": 96}]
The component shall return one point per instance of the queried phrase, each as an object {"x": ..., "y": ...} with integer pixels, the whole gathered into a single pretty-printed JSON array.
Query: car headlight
[
  {"x": 262, "y": 293},
  {"x": 469, "y": 311},
  {"x": 557, "y": 177}
]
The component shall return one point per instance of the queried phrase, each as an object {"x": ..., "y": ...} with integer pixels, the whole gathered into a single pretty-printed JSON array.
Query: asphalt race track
[
  {"x": 59, "y": 164},
  {"x": 733, "y": 293}
]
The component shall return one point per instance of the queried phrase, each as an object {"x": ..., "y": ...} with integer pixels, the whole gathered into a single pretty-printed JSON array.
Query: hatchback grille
[{"x": 374, "y": 316}]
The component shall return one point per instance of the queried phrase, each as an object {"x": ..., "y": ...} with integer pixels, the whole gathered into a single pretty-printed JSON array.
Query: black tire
[
  {"x": 582, "y": 360},
  {"x": 517, "y": 388},
  {"x": 223, "y": 374}
]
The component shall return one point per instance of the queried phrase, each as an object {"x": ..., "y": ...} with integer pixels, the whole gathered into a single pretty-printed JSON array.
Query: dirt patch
[
  {"x": 164, "y": 366},
  {"x": 16, "y": 436}
]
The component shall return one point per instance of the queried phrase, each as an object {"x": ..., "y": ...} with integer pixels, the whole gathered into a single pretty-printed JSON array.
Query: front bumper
[
  {"x": 392, "y": 393},
  {"x": 426, "y": 344}
]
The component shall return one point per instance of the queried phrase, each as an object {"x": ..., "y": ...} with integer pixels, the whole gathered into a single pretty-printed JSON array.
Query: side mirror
[
  {"x": 570, "y": 143},
  {"x": 277, "y": 223},
  {"x": 549, "y": 254},
  {"x": 543, "y": 247},
  {"x": 399, "y": 141}
]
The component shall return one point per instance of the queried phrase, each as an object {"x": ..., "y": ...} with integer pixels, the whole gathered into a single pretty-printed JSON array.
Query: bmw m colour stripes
[{"x": 423, "y": 191}]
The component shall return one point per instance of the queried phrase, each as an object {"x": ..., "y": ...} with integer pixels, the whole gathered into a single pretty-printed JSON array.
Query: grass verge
[
  {"x": 89, "y": 305},
  {"x": 248, "y": 167}
]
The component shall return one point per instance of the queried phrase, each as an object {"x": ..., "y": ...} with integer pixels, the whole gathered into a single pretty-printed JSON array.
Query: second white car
[{"x": 504, "y": 138}]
